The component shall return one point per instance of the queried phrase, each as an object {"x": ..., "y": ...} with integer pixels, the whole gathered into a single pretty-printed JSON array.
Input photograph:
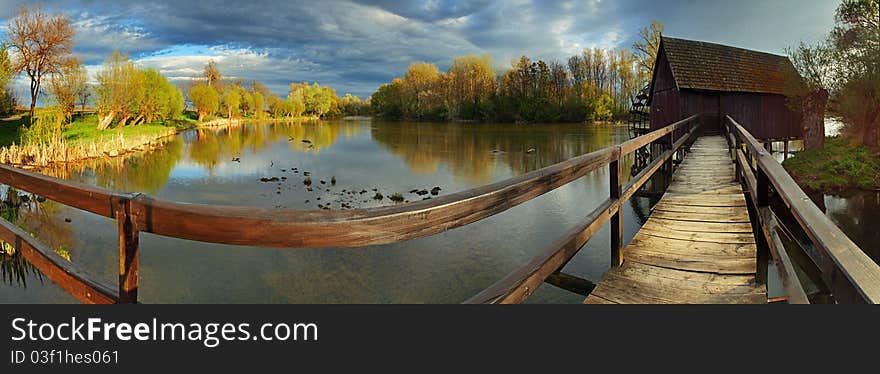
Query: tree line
[
  {"x": 39, "y": 46},
  {"x": 216, "y": 96},
  {"x": 596, "y": 85}
]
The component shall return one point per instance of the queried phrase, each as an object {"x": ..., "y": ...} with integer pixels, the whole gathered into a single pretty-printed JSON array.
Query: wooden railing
[
  {"x": 834, "y": 262},
  {"x": 265, "y": 227}
]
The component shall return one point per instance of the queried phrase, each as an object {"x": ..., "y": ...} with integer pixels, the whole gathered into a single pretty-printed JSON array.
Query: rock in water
[{"x": 435, "y": 190}]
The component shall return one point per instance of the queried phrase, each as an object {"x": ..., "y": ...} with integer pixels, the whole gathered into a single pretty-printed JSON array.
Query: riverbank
[
  {"x": 81, "y": 140},
  {"x": 839, "y": 166}
]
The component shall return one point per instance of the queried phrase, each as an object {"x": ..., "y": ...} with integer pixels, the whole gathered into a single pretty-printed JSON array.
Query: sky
[{"x": 354, "y": 46}]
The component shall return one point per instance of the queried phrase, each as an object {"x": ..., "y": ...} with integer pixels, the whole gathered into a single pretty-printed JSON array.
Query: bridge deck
[{"x": 697, "y": 246}]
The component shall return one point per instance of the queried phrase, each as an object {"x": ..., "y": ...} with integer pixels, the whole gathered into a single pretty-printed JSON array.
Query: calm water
[{"x": 197, "y": 166}]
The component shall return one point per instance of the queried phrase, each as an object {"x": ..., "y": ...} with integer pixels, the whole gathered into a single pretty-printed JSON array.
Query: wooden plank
[
  {"x": 688, "y": 246},
  {"x": 696, "y": 226},
  {"x": 67, "y": 275},
  {"x": 738, "y": 217},
  {"x": 693, "y": 262},
  {"x": 697, "y": 246},
  {"x": 78, "y": 195},
  {"x": 733, "y": 210},
  {"x": 269, "y": 227},
  {"x": 708, "y": 237}
]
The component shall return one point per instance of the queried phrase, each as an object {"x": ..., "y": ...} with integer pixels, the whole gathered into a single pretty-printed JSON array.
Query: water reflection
[
  {"x": 225, "y": 166},
  {"x": 855, "y": 212}
]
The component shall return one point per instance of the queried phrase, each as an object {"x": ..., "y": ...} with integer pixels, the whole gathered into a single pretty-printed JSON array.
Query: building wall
[
  {"x": 766, "y": 116},
  {"x": 664, "y": 96}
]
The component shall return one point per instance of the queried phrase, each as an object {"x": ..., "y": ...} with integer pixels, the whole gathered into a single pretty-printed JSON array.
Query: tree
[
  {"x": 645, "y": 49},
  {"x": 6, "y": 74},
  {"x": 294, "y": 106},
  {"x": 471, "y": 82},
  {"x": 84, "y": 95},
  {"x": 212, "y": 76},
  {"x": 66, "y": 85},
  {"x": 41, "y": 43},
  {"x": 277, "y": 106},
  {"x": 806, "y": 90},
  {"x": 855, "y": 42},
  {"x": 231, "y": 102},
  {"x": 206, "y": 100},
  {"x": 258, "y": 104},
  {"x": 118, "y": 90},
  {"x": 259, "y": 87}
]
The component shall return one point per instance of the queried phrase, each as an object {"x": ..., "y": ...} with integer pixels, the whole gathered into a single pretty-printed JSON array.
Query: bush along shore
[{"x": 839, "y": 166}]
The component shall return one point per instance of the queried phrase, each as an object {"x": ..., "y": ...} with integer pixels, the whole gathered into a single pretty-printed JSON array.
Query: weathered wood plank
[{"x": 697, "y": 246}]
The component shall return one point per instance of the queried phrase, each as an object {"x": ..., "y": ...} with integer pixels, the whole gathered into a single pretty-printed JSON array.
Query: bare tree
[
  {"x": 40, "y": 43},
  {"x": 212, "y": 75},
  {"x": 806, "y": 90}
]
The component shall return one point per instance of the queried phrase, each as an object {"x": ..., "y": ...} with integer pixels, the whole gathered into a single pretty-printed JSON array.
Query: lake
[{"x": 225, "y": 166}]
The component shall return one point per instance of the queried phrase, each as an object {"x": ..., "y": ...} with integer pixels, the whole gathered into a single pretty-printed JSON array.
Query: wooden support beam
[
  {"x": 615, "y": 171},
  {"x": 129, "y": 256},
  {"x": 571, "y": 283}
]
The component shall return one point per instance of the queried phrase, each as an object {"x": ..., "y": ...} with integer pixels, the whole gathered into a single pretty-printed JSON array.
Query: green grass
[
  {"x": 9, "y": 130},
  {"x": 85, "y": 128},
  {"x": 840, "y": 165}
]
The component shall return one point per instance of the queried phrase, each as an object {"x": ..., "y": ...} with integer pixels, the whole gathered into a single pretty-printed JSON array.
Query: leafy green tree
[
  {"x": 294, "y": 106},
  {"x": 6, "y": 98},
  {"x": 258, "y": 104},
  {"x": 206, "y": 100},
  {"x": 277, "y": 106},
  {"x": 119, "y": 88},
  {"x": 232, "y": 102}
]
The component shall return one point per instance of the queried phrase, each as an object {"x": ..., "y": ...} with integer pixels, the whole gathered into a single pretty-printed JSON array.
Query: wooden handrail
[
  {"x": 519, "y": 284},
  {"x": 267, "y": 227},
  {"x": 72, "y": 278},
  {"x": 852, "y": 275}
]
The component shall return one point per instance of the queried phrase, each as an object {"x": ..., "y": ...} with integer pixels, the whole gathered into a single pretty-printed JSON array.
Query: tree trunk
[
  {"x": 870, "y": 136},
  {"x": 105, "y": 121},
  {"x": 201, "y": 116},
  {"x": 137, "y": 120},
  {"x": 124, "y": 120},
  {"x": 813, "y": 120}
]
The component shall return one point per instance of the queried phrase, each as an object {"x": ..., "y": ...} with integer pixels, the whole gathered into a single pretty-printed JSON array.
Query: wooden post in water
[
  {"x": 785, "y": 150},
  {"x": 614, "y": 168},
  {"x": 129, "y": 263}
]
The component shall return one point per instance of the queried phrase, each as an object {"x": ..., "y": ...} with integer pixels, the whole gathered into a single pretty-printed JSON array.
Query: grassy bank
[
  {"x": 81, "y": 139},
  {"x": 839, "y": 166}
]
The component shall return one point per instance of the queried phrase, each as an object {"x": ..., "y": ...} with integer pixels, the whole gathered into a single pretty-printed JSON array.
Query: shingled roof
[{"x": 716, "y": 67}]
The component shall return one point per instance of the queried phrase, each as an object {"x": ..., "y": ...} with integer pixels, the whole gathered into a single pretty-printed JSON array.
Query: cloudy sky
[{"x": 354, "y": 46}]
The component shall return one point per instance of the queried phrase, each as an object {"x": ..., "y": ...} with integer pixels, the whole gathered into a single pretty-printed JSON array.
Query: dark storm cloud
[{"x": 356, "y": 45}]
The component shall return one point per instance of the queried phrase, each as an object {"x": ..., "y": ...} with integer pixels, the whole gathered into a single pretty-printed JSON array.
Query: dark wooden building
[{"x": 714, "y": 80}]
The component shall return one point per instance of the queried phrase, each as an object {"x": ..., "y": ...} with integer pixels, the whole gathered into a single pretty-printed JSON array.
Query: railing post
[
  {"x": 614, "y": 168},
  {"x": 669, "y": 140},
  {"x": 761, "y": 200},
  {"x": 129, "y": 263}
]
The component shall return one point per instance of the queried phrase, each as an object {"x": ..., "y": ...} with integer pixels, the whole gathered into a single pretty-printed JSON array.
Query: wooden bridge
[{"x": 708, "y": 240}]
